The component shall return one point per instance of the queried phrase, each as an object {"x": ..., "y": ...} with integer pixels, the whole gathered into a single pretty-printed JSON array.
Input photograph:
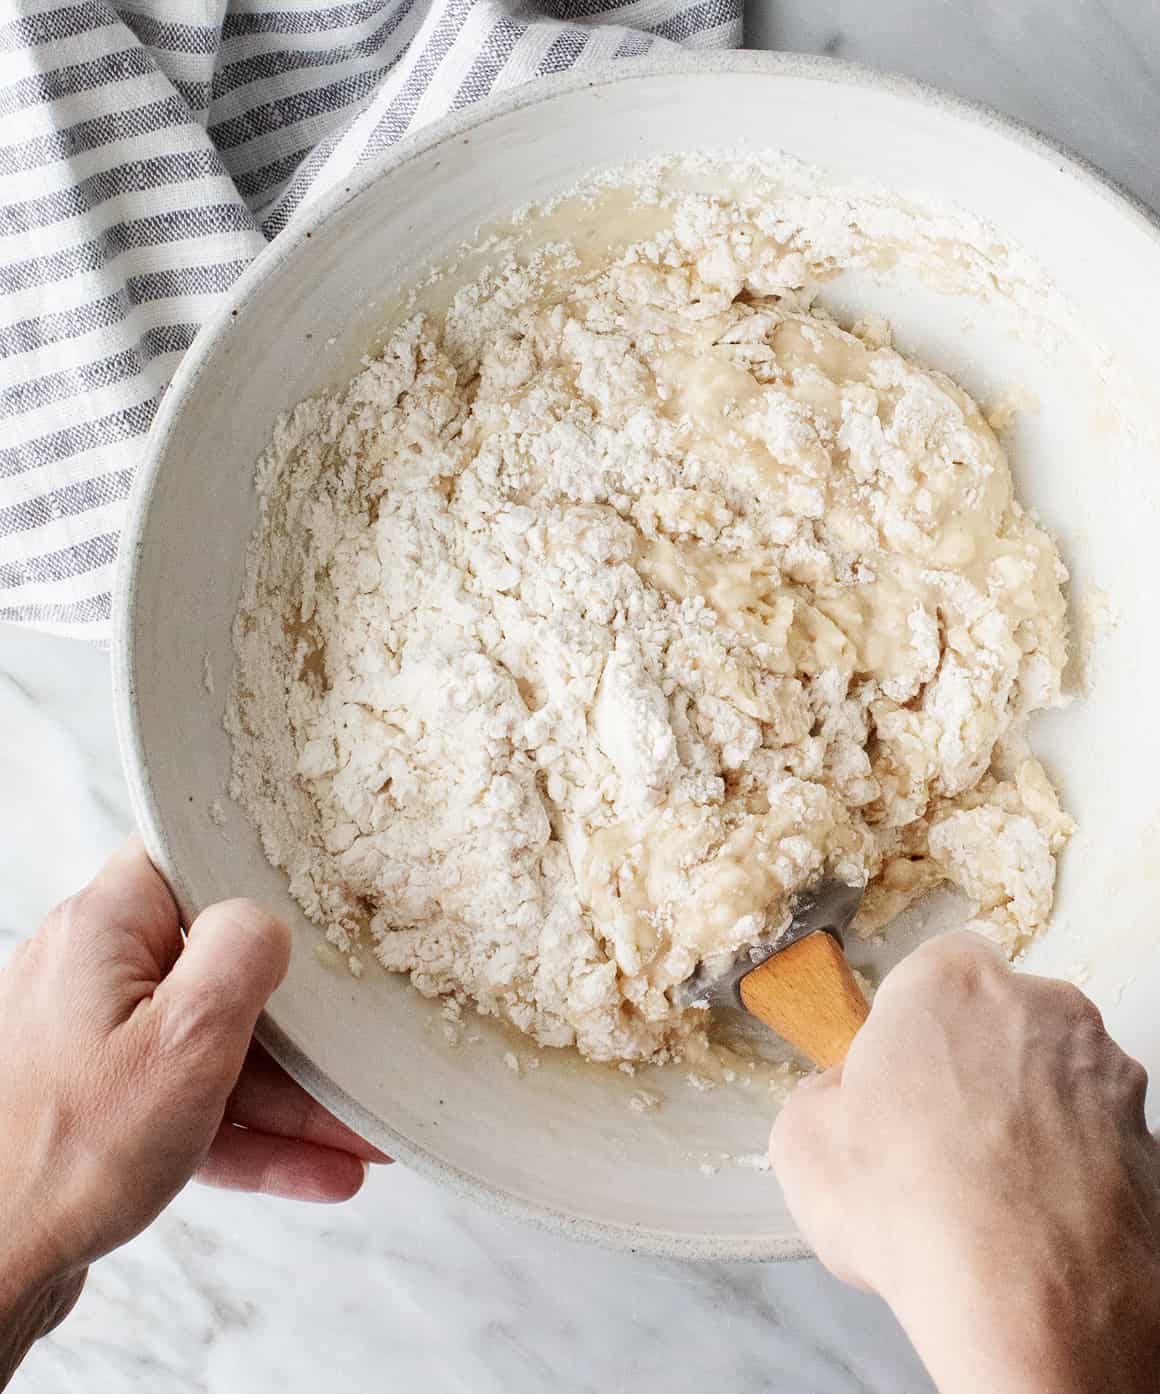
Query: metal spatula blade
[
  {"x": 828, "y": 904},
  {"x": 798, "y": 983}
]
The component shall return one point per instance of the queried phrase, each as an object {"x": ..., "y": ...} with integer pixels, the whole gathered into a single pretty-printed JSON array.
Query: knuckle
[
  {"x": 1133, "y": 1077},
  {"x": 27, "y": 957},
  {"x": 162, "y": 908},
  {"x": 65, "y": 919},
  {"x": 62, "y": 933},
  {"x": 958, "y": 962},
  {"x": 1079, "y": 1008},
  {"x": 190, "y": 1026}
]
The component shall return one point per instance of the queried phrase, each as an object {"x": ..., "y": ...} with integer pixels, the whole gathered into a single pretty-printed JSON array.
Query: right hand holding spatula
[{"x": 981, "y": 1160}]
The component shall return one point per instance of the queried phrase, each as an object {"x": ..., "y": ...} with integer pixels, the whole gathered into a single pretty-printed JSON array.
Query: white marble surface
[{"x": 408, "y": 1288}]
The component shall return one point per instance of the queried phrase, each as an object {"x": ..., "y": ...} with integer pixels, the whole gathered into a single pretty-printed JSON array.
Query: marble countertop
[{"x": 408, "y": 1287}]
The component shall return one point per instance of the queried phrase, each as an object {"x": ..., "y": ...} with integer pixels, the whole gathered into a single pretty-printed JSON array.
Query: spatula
[{"x": 800, "y": 985}]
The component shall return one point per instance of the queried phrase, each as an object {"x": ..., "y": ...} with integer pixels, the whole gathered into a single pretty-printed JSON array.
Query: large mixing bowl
[{"x": 561, "y": 1144}]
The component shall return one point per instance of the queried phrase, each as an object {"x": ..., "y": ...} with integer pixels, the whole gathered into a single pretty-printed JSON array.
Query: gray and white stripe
[{"x": 148, "y": 150}]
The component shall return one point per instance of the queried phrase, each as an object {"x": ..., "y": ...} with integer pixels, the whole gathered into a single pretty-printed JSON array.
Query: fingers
[
  {"x": 241, "y": 1160},
  {"x": 808, "y": 1155},
  {"x": 235, "y": 956},
  {"x": 267, "y": 1100},
  {"x": 801, "y": 1142}
]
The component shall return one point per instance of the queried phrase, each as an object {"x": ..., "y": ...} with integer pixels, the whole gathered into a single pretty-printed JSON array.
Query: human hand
[
  {"x": 126, "y": 1067},
  {"x": 982, "y": 1162}
]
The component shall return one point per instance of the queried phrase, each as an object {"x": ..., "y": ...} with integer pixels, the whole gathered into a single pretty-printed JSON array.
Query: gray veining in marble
[{"x": 408, "y": 1288}]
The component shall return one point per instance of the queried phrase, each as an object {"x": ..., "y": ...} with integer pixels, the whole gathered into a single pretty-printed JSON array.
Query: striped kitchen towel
[{"x": 148, "y": 150}]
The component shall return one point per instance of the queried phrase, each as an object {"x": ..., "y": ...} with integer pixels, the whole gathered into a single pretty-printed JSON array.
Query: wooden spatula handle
[{"x": 809, "y": 995}]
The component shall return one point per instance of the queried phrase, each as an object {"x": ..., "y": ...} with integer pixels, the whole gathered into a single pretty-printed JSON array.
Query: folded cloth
[{"x": 148, "y": 151}]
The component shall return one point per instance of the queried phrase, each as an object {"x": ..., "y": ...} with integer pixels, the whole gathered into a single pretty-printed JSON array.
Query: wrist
[
  {"x": 31, "y": 1305},
  {"x": 1011, "y": 1324},
  {"x": 35, "y": 1295}
]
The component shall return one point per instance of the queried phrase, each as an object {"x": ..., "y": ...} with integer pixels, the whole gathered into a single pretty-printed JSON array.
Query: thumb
[
  {"x": 235, "y": 955},
  {"x": 808, "y": 1156}
]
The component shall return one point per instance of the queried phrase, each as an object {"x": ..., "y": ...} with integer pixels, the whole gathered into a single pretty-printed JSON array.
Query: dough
[{"x": 605, "y": 611}]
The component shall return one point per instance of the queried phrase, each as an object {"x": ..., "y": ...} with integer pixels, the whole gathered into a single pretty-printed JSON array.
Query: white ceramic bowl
[{"x": 560, "y": 1145}]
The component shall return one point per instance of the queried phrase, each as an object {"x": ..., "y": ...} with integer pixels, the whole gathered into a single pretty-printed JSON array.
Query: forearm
[
  {"x": 1029, "y": 1331},
  {"x": 983, "y": 1162},
  {"x": 1022, "y": 1365}
]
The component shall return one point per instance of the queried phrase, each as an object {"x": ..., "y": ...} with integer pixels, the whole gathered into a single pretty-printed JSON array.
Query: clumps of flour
[{"x": 602, "y": 613}]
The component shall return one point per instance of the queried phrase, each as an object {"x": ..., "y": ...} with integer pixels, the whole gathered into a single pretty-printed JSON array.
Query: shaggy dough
[{"x": 602, "y": 613}]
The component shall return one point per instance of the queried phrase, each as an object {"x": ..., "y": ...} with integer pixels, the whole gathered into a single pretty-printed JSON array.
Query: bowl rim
[{"x": 303, "y": 225}]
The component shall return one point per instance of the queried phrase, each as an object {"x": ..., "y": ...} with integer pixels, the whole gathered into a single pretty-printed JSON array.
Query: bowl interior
[{"x": 561, "y": 1142}]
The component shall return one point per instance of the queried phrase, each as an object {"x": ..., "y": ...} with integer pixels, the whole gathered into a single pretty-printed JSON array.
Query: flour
[{"x": 608, "y": 608}]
